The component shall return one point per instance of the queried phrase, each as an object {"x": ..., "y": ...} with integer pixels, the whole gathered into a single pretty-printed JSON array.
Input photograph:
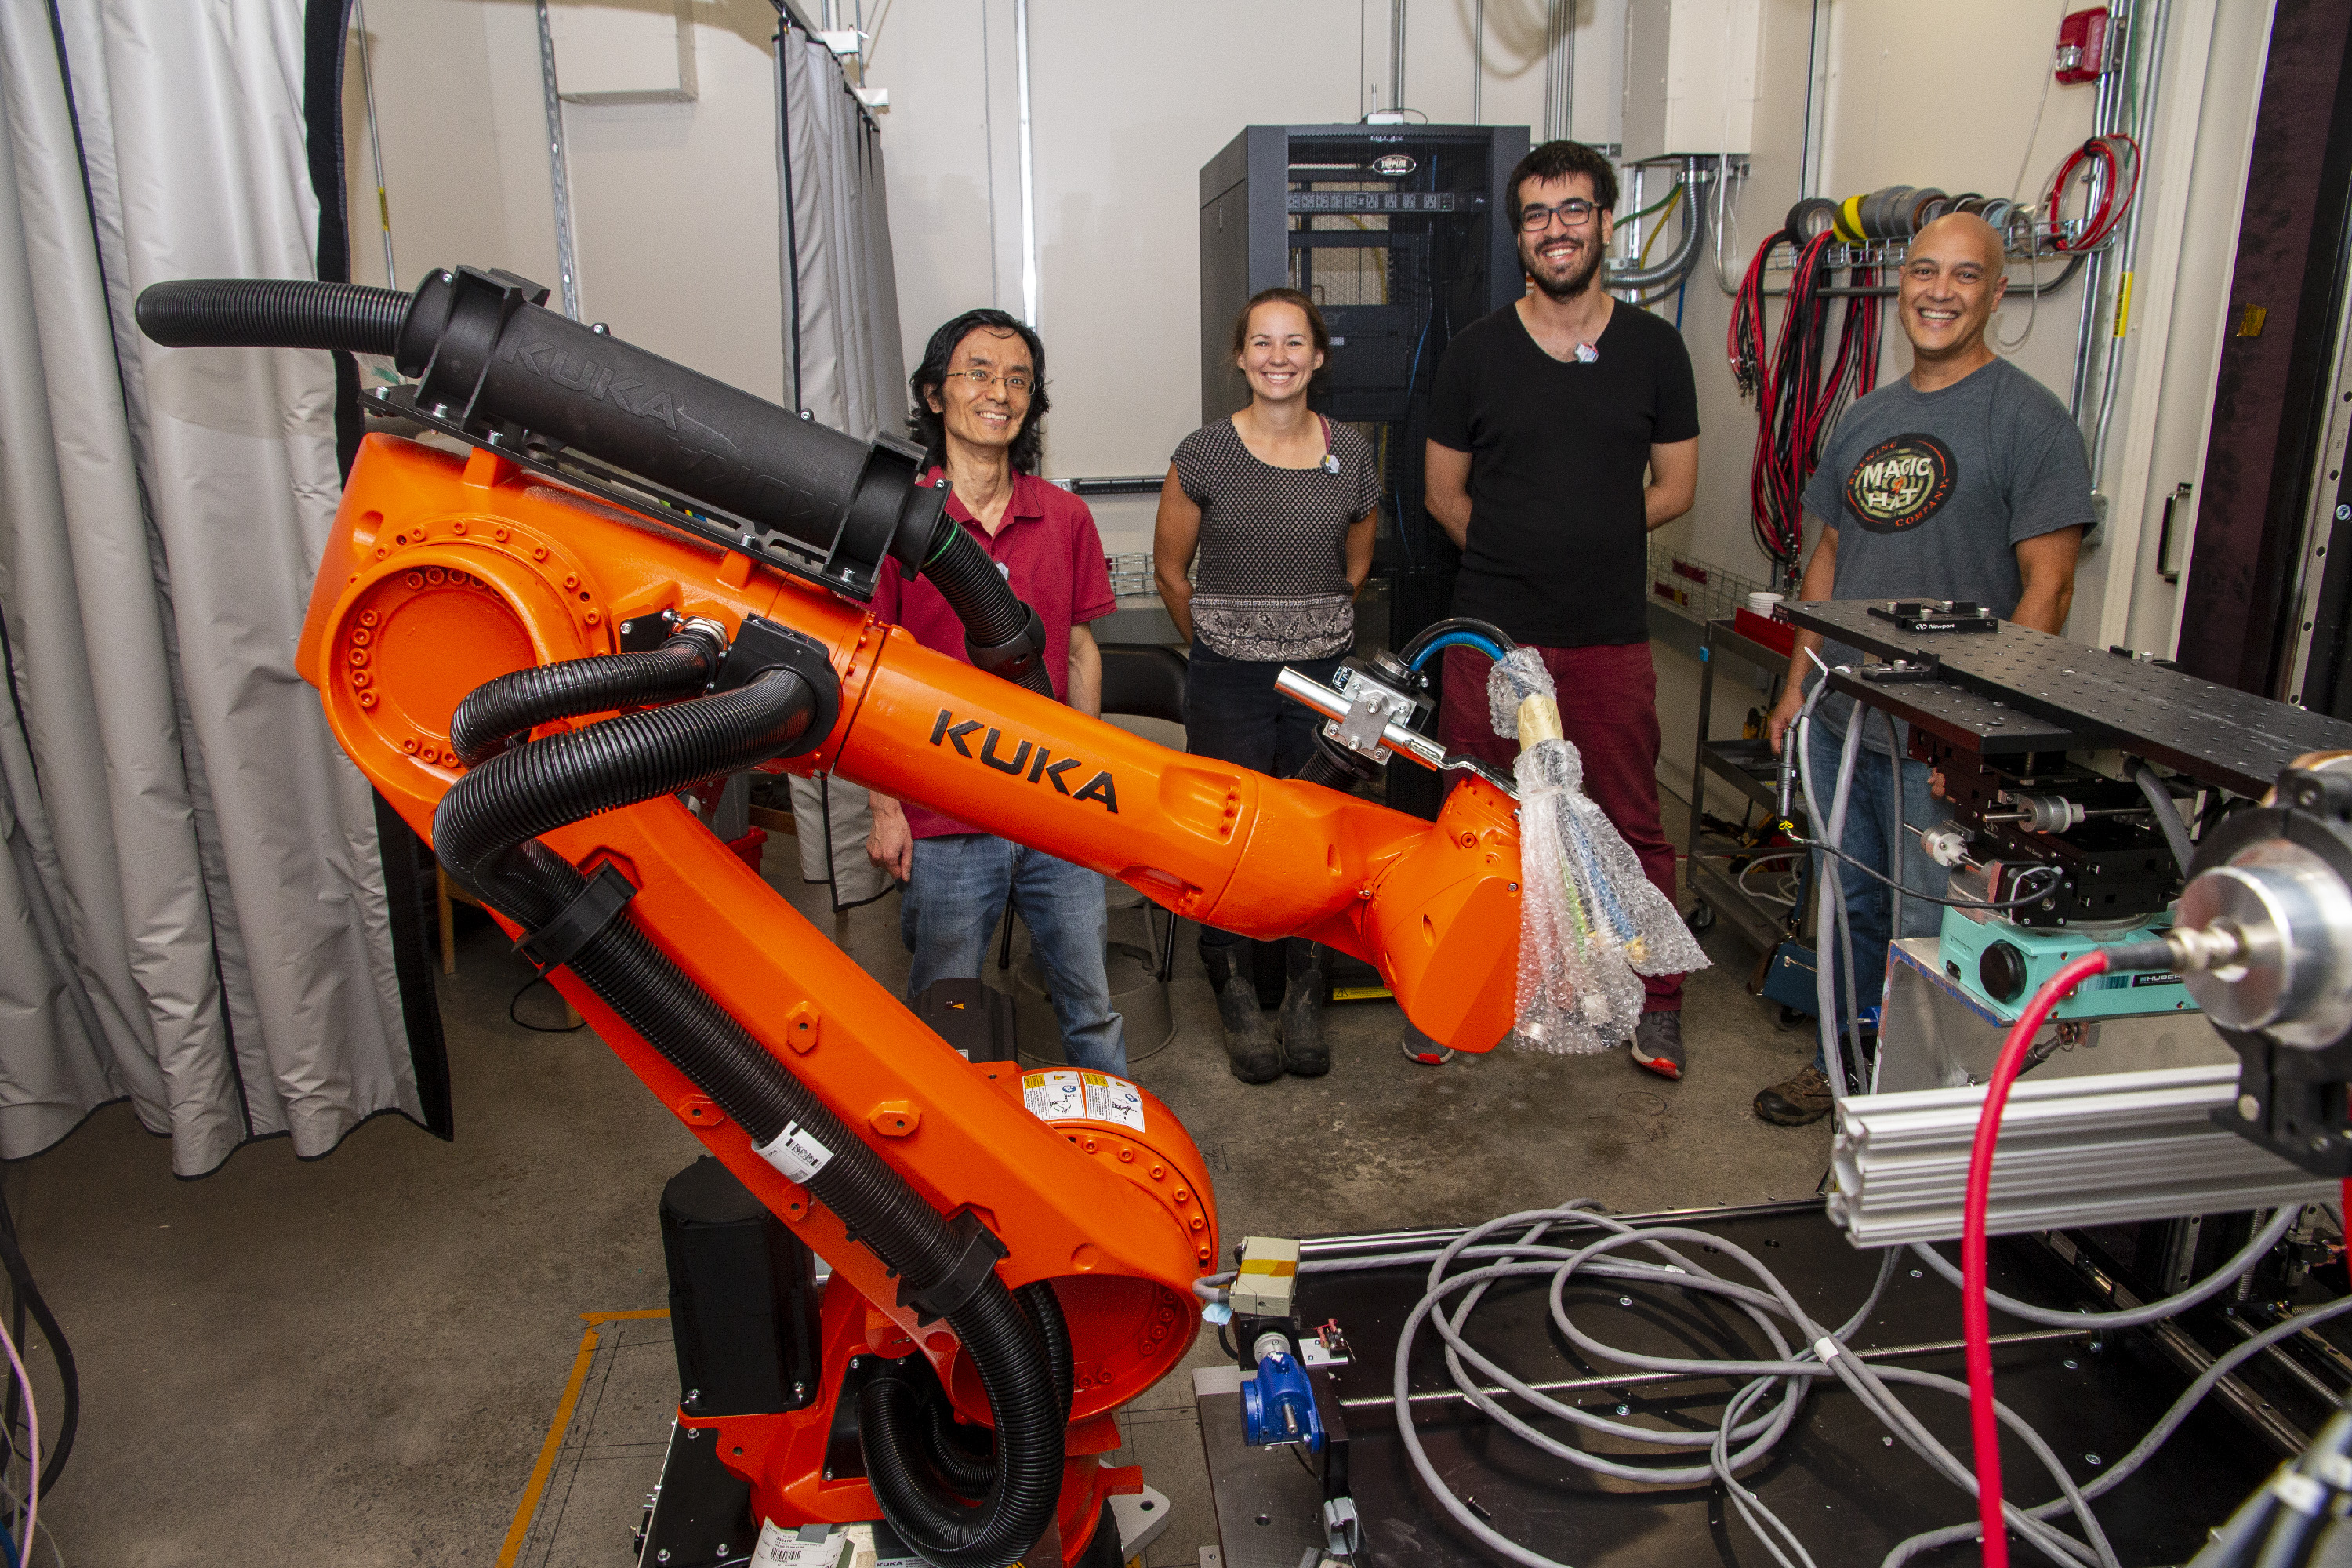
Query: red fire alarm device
[{"x": 2082, "y": 45}]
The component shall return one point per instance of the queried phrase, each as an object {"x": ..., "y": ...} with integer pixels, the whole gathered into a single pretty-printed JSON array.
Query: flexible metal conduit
[{"x": 1695, "y": 177}]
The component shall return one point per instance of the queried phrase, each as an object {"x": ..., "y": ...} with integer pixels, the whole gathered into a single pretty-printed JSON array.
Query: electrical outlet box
[
  {"x": 1690, "y": 76},
  {"x": 1269, "y": 1274}
]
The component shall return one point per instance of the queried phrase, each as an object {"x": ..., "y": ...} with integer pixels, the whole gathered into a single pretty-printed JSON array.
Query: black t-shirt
[{"x": 1558, "y": 546}]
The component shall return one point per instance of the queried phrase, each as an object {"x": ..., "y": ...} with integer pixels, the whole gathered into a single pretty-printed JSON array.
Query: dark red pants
[{"x": 1608, "y": 711}]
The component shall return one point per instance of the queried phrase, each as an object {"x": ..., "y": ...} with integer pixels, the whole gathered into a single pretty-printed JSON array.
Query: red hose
[
  {"x": 1976, "y": 1316},
  {"x": 2117, "y": 192}
]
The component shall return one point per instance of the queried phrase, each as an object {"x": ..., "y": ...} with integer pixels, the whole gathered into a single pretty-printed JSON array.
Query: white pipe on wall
[
  {"x": 1396, "y": 54},
  {"x": 1478, "y": 63},
  {"x": 988, "y": 150},
  {"x": 1028, "y": 168},
  {"x": 1560, "y": 70}
]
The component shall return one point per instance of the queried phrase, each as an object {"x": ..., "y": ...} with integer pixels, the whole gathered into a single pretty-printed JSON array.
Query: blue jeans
[
  {"x": 1869, "y": 829},
  {"x": 1233, "y": 712},
  {"x": 949, "y": 910}
]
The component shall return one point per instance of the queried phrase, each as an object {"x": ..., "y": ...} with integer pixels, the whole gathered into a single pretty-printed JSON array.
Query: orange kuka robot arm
[{"x": 445, "y": 573}]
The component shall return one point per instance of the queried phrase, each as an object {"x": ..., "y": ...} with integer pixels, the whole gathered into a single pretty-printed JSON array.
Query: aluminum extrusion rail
[{"x": 2074, "y": 1152}]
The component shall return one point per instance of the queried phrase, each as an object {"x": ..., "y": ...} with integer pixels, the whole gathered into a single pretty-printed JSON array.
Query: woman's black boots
[
  {"x": 1249, "y": 1043},
  {"x": 1307, "y": 967}
]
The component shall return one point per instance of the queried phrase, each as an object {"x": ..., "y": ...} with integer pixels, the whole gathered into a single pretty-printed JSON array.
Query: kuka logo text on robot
[{"x": 1026, "y": 757}]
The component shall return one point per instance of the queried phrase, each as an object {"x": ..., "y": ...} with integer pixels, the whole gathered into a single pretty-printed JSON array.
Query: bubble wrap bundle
[{"x": 1592, "y": 923}]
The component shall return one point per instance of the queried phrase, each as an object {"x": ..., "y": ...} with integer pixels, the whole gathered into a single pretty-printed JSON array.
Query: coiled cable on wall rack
[
  {"x": 1797, "y": 396},
  {"x": 2111, "y": 163}
]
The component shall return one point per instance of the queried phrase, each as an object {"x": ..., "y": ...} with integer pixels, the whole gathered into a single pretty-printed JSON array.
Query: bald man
[{"x": 1965, "y": 479}]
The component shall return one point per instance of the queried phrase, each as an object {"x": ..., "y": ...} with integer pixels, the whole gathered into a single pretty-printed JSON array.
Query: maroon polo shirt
[{"x": 1048, "y": 548}]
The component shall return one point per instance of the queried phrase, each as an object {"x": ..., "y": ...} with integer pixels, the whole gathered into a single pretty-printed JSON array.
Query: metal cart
[{"x": 1747, "y": 766}]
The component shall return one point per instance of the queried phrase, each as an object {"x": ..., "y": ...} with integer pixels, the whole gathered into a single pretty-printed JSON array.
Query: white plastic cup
[{"x": 1761, "y": 604}]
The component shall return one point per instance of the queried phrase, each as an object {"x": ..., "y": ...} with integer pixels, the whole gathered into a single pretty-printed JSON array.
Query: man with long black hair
[
  {"x": 1563, "y": 428},
  {"x": 979, "y": 397}
]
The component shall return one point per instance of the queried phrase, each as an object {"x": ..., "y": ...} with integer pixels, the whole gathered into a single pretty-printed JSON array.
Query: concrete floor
[{"x": 356, "y": 1361}]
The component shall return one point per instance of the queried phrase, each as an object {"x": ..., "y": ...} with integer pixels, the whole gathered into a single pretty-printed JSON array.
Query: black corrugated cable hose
[
  {"x": 967, "y": 1471},
  {"x": 485, "y": 834},
  {"x": 277, "y": 313},
  {"x": 964, "y": 1470},
  {"x": 1002, "y": 635},
  {"x": 1044, "y": 1309},
  {"x": 1334, "y": 767},
  {"x": 499, "y": 712}
]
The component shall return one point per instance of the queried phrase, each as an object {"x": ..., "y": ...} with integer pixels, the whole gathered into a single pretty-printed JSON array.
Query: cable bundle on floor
[
  {"x": 1798, "y": 393},
  {"x": 1770, "y": 1388},
  {"x": 21, "y": 1511}
]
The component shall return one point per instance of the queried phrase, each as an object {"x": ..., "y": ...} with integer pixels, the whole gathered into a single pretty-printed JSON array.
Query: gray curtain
[
  {"x": 843, "y": 293},
  {"x": 191, "y": 909},
  {"x": 846, "y": 329}
]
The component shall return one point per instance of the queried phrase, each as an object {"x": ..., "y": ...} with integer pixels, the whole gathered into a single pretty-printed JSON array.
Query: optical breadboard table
[
  {"x": 2014, "y": 690},
  {"x": 1848, "y": 1493}
]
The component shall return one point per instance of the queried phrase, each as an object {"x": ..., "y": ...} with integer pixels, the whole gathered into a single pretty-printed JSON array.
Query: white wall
[
  {"x": 674, "y": 204},
  {"x": 676, "y": 207},
  {"x": 1127, "y": 102}
]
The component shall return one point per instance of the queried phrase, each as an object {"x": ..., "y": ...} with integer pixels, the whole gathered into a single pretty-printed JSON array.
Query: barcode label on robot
[
  {"x": 795, "y": 1152},
  {"x": 783, "y": 1548},
  {"x": 1082, "y": 1096}
]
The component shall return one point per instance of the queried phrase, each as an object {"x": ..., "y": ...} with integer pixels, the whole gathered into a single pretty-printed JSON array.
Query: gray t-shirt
[{"x": 1931, "y": 492}]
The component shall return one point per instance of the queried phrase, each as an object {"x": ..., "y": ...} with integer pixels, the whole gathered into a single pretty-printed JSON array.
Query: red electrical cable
[
  {"x": 1798, "y": 398},
  {"x": 2116, "y": 192},
  {"x": 1976, "y": 1316}
]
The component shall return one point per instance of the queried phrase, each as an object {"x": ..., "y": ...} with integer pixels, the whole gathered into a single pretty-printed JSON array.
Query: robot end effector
[{"x": 2264, "y": 942}]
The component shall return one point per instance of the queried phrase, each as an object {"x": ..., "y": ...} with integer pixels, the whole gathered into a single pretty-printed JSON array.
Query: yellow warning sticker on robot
[{"x": 1083, "y": 1096}]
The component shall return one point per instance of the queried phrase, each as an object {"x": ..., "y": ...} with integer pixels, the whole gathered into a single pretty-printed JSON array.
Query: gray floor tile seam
[
  {"x": 585, "y": 1419},
  {"x": 1164, "y": 1416}
]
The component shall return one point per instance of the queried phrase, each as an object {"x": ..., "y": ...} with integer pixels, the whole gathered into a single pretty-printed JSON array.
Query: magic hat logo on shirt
[{"x": 1901, "y": 483}]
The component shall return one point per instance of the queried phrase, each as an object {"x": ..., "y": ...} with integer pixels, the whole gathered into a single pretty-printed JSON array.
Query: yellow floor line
[{"x": 528, "y": 1505}]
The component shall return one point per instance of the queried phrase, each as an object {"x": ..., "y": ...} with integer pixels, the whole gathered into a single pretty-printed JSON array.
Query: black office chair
[
  {"x": 1140, "y": 680},
  {"x": 1143, "y": 680}
]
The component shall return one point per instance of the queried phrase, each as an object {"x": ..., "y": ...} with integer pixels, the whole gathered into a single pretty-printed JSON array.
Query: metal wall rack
[
  {"x": 1890, "y": 254},
  {"x": 1887, "y": 255}
]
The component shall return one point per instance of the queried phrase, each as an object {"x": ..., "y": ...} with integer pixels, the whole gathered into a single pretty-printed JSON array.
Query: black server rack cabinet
[{"x": 1397, "y": 233}]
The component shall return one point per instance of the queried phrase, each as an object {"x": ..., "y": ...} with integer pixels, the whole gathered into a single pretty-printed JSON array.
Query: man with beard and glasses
[{"x": 1563, "y": 428}]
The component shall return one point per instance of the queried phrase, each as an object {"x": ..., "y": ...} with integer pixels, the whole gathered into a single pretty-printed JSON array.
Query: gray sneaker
[
  {"x": 1657, "y": 1044},
  {"x": 1419, "y": 1048}
]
